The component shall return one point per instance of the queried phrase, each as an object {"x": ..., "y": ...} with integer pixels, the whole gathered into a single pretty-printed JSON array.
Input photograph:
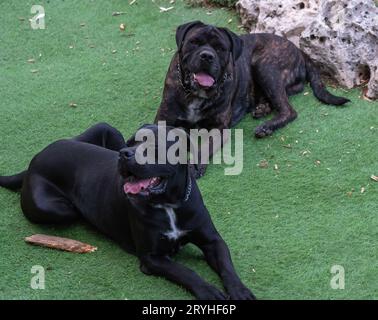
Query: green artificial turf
[{"x": 286, "y": 228}]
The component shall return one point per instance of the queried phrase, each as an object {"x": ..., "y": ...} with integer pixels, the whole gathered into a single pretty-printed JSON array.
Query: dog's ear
[
  {"x": 236, "y": 43},
  {"x": 182, "y": 30},
  {"x": 131, "y": 140},
  {"x": 146, "y": 125}
]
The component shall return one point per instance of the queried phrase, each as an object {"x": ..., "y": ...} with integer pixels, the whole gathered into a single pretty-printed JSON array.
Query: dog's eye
[
  {"x": 194, "y": 42},
  {"x": 220, "y": 49},
  {"x": 130, "y": 142}
]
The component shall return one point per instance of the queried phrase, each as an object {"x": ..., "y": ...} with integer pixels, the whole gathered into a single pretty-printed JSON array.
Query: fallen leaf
[
  {"x": 375, "y": 178},
  {"x": 263, "y": 164},
  {"x": 163, "y": 9},
  {"x": 364, "y": 96},
  {"x": 73, "y": 105},
  {"x": 367, "y": 98},
  {"x": 117, "y": 13}
]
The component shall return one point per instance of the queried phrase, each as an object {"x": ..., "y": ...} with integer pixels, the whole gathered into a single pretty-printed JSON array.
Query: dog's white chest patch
[
  {"x": 174, "y": 233},
  {"x": 193, "y": 113}
]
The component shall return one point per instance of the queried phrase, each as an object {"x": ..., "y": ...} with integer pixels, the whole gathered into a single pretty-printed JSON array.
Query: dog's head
[
  {"x": 159, "y": 181},
  {"x": 205, "y": 52}
]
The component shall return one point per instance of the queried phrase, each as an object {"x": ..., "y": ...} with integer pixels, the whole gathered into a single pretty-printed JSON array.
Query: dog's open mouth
[
  {"x": 203, "y": 79},
  {"x": 137, "y": 186}
]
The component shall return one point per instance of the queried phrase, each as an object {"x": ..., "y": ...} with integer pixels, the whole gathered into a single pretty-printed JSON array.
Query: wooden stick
[{"x": 60, "y": 243}]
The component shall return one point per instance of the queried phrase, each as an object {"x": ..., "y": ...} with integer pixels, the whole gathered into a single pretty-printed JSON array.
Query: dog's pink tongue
[
  {"x": 204, "y": 79},
  {"x": 137, "y": 186}
]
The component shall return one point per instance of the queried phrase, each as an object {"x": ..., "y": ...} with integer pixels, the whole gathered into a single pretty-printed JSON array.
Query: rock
[
  {"x": 286, "y": 18},
  {"x": 340, "y": 36}
]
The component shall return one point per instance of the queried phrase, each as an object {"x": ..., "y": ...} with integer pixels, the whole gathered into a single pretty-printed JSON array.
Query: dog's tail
[
  {"x": 14, "y": 182},
  {"x": 317, "y": 85}
]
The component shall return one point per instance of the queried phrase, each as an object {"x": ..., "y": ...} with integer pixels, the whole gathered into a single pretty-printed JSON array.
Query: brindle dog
[{"x": 216, "y": 77}]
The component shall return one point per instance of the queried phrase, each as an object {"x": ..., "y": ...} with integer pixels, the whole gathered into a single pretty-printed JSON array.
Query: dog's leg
[
  {"x": 277, "y": 96},
  {"x": 295, "y": 88},
  {"x": 42, "y": 202},
  {"x": 218, "y": 257},
  {"x": 103, "y": 135},
  {"x": 208, "y": 149},
  {"x": 262, "y": 109},
  {"x": 177, "y": 273}
]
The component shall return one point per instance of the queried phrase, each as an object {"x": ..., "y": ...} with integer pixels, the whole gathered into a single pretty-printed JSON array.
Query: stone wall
[{"x": 341, "y": 36}]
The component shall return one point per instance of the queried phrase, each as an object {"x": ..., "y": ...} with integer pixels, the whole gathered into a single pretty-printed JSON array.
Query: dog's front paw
[
  {"x": 241, "y": 293},
  {"x": 261, "y": 110},
  {"x": 210, "y": 293},
  {"x": 263, "y": 131}
]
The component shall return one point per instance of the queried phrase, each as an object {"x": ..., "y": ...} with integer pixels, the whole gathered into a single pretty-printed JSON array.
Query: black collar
[
  {"x": 179, "y": 75},
  {"x": 188, "y": 188}
]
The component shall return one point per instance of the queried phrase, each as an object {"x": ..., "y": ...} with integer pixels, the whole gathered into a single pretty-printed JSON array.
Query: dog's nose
[
  {"x": 127, "y": 153},
  {"x": 207, "y": 55}
]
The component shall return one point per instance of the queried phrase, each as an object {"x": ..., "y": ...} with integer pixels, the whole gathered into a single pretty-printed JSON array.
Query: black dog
[
  {"x": 151, "y": 210},
  {"x": 216, "y": 77}
]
